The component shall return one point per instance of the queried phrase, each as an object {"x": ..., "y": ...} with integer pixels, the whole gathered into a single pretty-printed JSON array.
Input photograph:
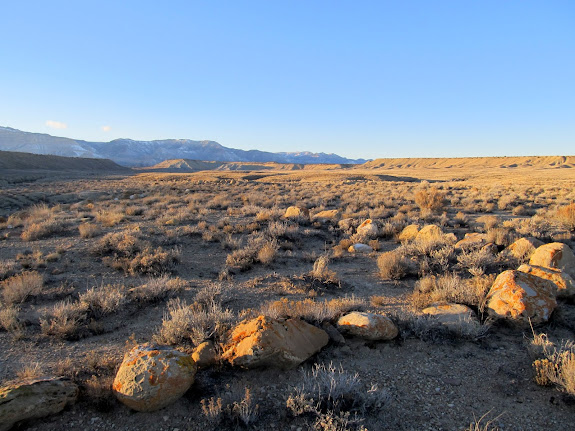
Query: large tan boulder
[
  {"x": 429, "y": 232},
  {"x": 563, "y": 281},
  {"x": 524, "y": 247},
  {"x": 554, "y": 255},
  {"x": 152, "y": 377},
  {"x": 449, "y": 314},
  {"x": 368, "y": 228},
  {"x": 297, "y": 212},
  {"x": 472, "y": 240},
  {"x": 267, "y": 342},
  {"x": 521, "y": 297},
  {"x": 34, "y": 399},
  {"x": 369, "y": 326},
  {"x": 408, "y": 233}
]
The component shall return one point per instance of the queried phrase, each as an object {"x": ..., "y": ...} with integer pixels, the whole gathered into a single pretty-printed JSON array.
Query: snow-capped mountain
[{"x": 128, "y": 152}]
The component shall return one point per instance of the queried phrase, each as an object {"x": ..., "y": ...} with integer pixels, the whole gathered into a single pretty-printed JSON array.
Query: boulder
[
  {"x": 205, "y": 355},
  {"x": 326, "y": 215},
  {"x": 34, "y": 399},
  {"x": 519, "y": 297},
  {"x": 408, "y": 233},
  {"x": 152, "y": 377},
  {"x": 267, "y": 342},
  {"x": 429, "y": 232},
  {"x": 360, "y": 248},
  {"x": 368, "y": 228},
  {"x": 346, "y": 224},
  {"x": 471, "y": 240},
  {"x": 369, "y": 326},
  {"x": 563, "y": 281},
  {"x": 334, "y": 335},
  {"x": 524, "y": 246},
  {"x": 451, "y": 315},
  {"x": 554, "y": 255},
  {"x": 297, "y": 212}
]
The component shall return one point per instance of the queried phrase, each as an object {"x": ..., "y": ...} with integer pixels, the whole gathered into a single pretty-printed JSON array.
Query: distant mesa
[{"x": 128, "y": 152}]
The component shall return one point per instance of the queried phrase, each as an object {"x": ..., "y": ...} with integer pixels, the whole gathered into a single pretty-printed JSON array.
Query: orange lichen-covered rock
[
  {"x": 521, "y": 297},
  {"x": 368, "y": 228},
  {"x": 152, "y": 377},
  {"x": 267, "y": 342},
  {"x": 429, "y": 232},
  {"x": 563, "y": 281},
  {"x": 408, "y": 233},
  {"x": 370, "y": 326},
  {"x": 554, "y": 255}
]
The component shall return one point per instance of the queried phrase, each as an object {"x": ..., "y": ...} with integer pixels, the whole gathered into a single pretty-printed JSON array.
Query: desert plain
[{"x": 95, "y": 261}]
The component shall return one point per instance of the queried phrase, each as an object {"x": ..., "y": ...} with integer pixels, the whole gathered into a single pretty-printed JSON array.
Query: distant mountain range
[{"x": 128, "y": 152}]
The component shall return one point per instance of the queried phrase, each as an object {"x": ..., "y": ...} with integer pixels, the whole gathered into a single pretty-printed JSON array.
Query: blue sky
[{"x": 361, "y": 79}]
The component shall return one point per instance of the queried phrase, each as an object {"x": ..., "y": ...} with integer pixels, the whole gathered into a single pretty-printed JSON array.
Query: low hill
[
  {"x": 188, "y": 165},
  {"x": 10, "y": 160},
  {"x": 473, "y": 162}
]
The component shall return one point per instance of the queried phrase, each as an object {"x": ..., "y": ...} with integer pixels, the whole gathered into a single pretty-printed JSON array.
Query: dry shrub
[
  {"x": 429, "y": 199},
  {"x": 392, "y": 265},
  {"x": 6, "y": 269},
  {"x": 321, "y": 272},
  {"x": 195, "y": 323},
  {"x": 159, "y": 288},
  {"x": 103, "y": 300},
  {"x": 489, "y": 221},
  {"x": 9, "y": 319},
  {"x": 64, "y": 320},
  {"x": 121, "y": 244},
  {"x": 88, "y": 230},
  {"x": 267, "y": 252},
  {"x": 501, "y": 236},
  {"x": 451, "y": 288},
  {"x": 153, "y": 262},
  {"x": 476, "y": 261},
  {"x": 557, "y": 367},
  {"x": 18, "y": 288},
  {"x": 41, "y": 230},
  {"x": 29, "y": 371},
  {"x": 329, "y": 393},
  {"x": 566, "y": 216},
  {"x": 110, "y": 218},
  {"x": 342, "y": 247},
  {"x": 310, "y": 310}
]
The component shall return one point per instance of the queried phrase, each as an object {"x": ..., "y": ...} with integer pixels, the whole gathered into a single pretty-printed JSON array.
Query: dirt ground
[{"x": 432, "y": 382}]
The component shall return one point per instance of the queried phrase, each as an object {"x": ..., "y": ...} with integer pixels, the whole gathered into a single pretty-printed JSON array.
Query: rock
[
  {"x": 408, "y": 233},
  {"x": 470, "y": 240},
  {"x": 297, "y": 212},
  {"x": 205, "y": 354},
  {"x": 451, "y": 315},
  {"x": 267, "y": 342},
  {"x": 518, "y": 296},
  {"x": 326, "y": 215},
  {"x": 563, "y": 281},
  {"x": 554, "y": 255},
  {"x": 334, "y": 334},
  {"x": 34, "y": 398},
  {"x": 369, "y": 326},
  {"x": 368, "y": 228},
  {"x": 152, "y": 377},
  {"x": 524, "y": 247},
  {"x": 360, "y": 248},
  {"x": 429, "y": 232}
]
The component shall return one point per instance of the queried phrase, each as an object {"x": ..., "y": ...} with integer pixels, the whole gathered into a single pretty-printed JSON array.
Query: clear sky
[{"x": 369, "y": 79}]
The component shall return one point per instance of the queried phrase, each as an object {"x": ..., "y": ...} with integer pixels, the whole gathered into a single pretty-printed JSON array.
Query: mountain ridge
[{"x": 134, "y": 153}]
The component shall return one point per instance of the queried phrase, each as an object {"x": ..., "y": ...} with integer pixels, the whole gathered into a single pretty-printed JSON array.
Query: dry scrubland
[{"x": 92, "y": 266}]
